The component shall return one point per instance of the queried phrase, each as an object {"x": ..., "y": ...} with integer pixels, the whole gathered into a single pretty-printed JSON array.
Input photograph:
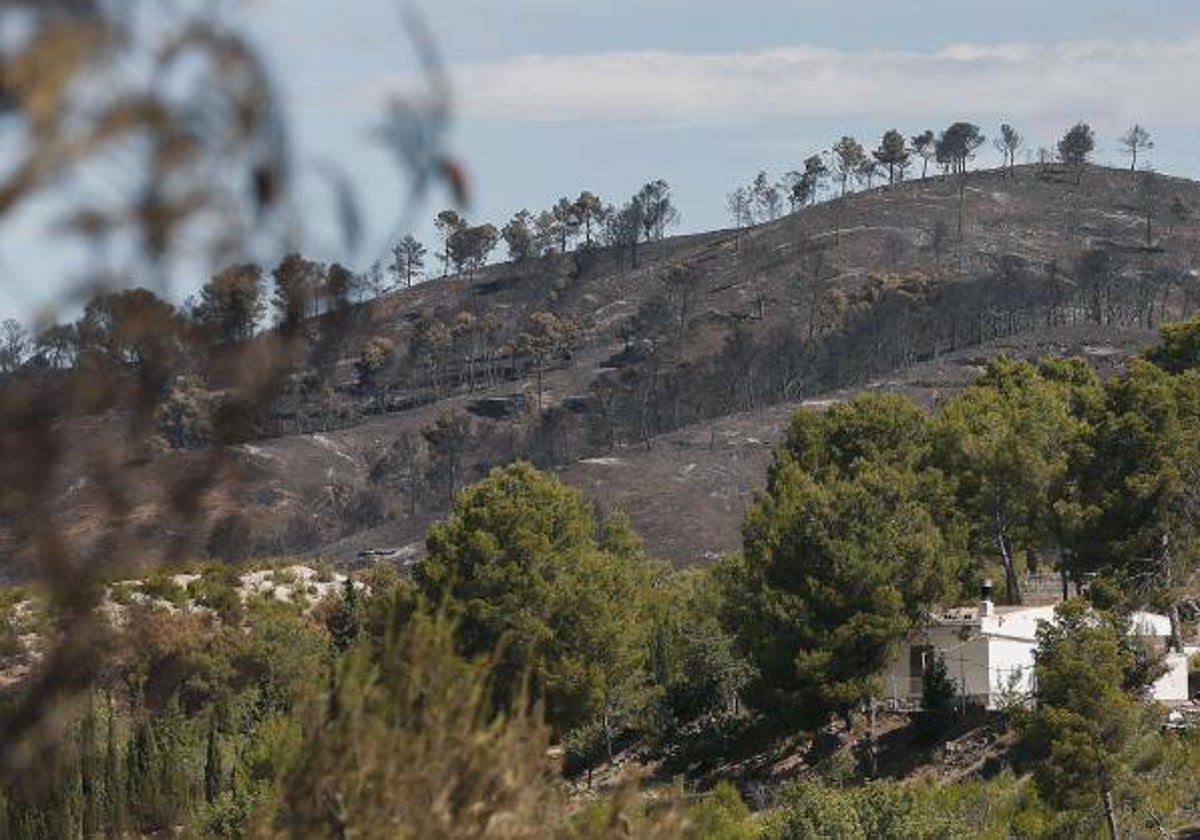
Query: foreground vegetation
[{"x": 537, "y": 639}]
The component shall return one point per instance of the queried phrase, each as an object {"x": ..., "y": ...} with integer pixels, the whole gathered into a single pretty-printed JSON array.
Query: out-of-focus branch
[{"x": 191, "y": 103}]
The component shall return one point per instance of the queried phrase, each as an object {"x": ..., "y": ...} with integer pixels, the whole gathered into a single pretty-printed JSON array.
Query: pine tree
[
  {"x": 408, "y": 260},
  {"x": 1087, "y": 715},
  {"x": 926, "y": 148},
  {"x": 892, "y": 153},
  {"x": 843, "y": 554},
  {"x": 1076, "y": 147},
  {"x": 848, "y": 158},
  {"x": 1009, "y": 438}
]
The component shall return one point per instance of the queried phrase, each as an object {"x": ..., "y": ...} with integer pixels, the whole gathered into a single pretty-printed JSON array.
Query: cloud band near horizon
[{"x": 1104, "y": 81}]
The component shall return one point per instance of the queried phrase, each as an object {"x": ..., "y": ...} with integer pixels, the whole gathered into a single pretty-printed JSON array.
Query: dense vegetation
[{"x": 424, "y": 707}]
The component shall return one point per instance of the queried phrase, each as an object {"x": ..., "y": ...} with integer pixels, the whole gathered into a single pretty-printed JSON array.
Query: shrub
[
  {"x": 185, "y": 418},
  {"x": 431, "y": 758},
  {"x": 883, "y": 810},
  {"x": 217, "y": 589},
  {"x": 10, "y": 643},
  {"x": 937, "y": 697},
  {"x": 161, "y": 586},
  {"x": 721, "y": 815}
]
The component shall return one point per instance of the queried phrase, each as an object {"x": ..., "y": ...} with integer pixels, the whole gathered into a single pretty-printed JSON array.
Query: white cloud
[{"x": 1157, "y": 82}]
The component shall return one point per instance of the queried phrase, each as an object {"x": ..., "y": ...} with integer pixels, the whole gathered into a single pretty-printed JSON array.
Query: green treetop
[
  {"x": 1008, "y": 439},
  {"x": 844, "y": 553},
  {"x": 519, "y": 565}
]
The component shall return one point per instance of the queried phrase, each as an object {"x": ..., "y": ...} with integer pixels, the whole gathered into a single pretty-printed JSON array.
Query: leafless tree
[
  {"x": 1134, "y": 141},
  {"x": 14, "y": 345},
  {"x": 1008, "y": 144}
]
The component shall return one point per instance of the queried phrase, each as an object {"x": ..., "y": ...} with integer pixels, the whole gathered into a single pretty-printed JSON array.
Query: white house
[{"x": 988, "y": 651}]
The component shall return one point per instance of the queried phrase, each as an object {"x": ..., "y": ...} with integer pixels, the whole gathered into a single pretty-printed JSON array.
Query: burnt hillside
[{"x": 659, "y": 387}]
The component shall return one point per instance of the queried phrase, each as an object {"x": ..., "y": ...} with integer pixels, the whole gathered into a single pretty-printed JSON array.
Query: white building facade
[{"x": 989, "y": 653}]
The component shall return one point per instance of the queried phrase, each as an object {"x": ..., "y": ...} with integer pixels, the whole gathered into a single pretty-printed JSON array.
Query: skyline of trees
[{"x": 645, "y": 217}]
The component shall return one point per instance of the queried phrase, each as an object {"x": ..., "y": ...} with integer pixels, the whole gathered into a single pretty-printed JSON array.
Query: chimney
[{"x": 986, "y": 607}]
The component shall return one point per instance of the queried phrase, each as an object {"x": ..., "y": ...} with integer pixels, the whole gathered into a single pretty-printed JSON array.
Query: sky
[{"x": 552, "y": 97}]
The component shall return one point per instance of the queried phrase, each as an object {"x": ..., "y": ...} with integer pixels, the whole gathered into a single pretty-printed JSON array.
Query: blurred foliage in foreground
[{"x": 386, "y": 709}]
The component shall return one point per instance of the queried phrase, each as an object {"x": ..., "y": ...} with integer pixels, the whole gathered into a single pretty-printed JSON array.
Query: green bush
[
  {"x": 217, "y": 589},
  {"x": 938, "y": 693},
  {"x": 812, "y": 810},
  {"x": 161, "y": 586},
  {"x": 882, "y": 810},
  {"x": 721, "y": 815}
]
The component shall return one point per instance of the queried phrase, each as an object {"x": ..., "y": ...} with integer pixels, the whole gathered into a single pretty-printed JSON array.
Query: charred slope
[{"x": 660, "y": 387}]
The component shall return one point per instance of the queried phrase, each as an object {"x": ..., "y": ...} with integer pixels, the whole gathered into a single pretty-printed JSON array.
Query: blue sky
[{"x": 555, "y": 96}]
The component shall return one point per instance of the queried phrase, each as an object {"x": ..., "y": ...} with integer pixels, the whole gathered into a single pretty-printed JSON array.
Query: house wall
[
  {"x": 896, "y": 686},
  {"x": 1010, "y": 668},
  {"x": 1172, "y": 687},
  {"x": 998, "y": 657},
  {"x": 967, "y": 661}
]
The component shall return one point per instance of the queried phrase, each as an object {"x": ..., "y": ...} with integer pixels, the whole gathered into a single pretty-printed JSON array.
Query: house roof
[
  {"x": 970, "y": 614},
  {"x": 1022, "y": 621}
]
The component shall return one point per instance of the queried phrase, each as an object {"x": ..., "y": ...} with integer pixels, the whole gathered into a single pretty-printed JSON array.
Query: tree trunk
[
  {"x": 1012, "y": 584},
  {"x": 873, "y": 745},
  {"x": 1176, "y": 629},
  {"x": 962, "y": 194},
  {"x": 1110, "y": 812},
  {"x": 608, "y": 737}
]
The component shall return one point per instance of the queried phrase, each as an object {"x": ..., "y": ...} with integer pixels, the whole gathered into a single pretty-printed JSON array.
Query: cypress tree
[
  {"x": 344, "y": 624},
  {"x": 89, "y": 780},
  {"x": 114, "y": 791},
  {"x": 212, "y": 765},
  {"x": 66, "y": 814},
  {"x": 142, "y": 773},
  {"x": 173, "y": 760}
]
